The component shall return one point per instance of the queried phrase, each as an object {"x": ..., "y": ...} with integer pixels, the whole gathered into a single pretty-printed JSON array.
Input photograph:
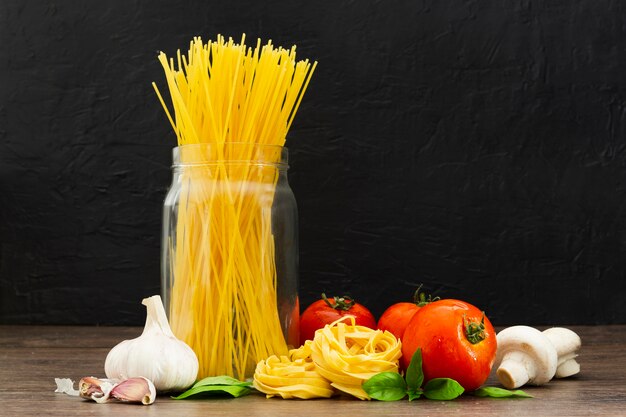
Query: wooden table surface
[{"x": 32, "y": 356}]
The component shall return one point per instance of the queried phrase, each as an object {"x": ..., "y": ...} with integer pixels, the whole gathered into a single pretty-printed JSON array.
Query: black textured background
[{"x": 475, "y": 146}]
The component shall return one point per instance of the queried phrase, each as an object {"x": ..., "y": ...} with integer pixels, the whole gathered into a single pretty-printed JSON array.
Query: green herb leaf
[
  {"x": 221, "y": 380},
  {"x": 442, "y": 389},
  {"x": 385, "y": 386},
  {"x": 217, "y": 385},
  {"x": 496, "y": 392},
  {"x": 415, "y": 394},
  {"x": 414, "y": 373},
  {"x": 213, "y": 390}
]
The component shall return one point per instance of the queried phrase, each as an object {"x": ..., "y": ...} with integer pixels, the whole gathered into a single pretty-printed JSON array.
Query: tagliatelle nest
[
  {"x": 293, "y": 377},
  {"x": 348, "y": 355},
  {"x": 343, "y": 355}
]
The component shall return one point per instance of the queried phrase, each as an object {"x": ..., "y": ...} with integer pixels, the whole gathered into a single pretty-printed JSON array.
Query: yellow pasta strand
[{"x": 223, "y": 298}]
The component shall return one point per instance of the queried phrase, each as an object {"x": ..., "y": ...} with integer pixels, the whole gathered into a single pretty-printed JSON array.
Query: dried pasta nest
[
  {"x": 341, "y": 356},
  {"x": 291, "y": 377},
  {"x": 348, "y": 355}
]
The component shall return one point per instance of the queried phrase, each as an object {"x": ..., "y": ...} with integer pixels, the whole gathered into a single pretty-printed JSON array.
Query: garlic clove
[
  {"x": 95, "y": 389},
  {"x": 138, "y": 389}
]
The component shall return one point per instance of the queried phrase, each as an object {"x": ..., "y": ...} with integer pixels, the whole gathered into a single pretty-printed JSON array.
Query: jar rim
[{"x": 213, "y": 153}]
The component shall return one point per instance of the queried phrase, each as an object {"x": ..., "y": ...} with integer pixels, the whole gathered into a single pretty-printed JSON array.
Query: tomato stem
[
  {"x": 475, "y": 332},
  {"x": 420, "y": 299},
  {"x": 339, "y": 303}
]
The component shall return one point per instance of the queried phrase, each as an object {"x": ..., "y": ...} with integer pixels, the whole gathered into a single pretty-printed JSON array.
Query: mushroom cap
[
  {"x": 565, "y": 341},
  {"x": 536, "y": 350}
]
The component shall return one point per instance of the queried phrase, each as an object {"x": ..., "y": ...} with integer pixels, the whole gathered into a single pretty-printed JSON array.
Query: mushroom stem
[
  {"x": 513, "y": 371},
  {"x": 525, "y": 356}
]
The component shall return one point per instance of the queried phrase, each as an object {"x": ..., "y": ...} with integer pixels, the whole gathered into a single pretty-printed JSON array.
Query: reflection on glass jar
[{"x": 230, "y": 255}]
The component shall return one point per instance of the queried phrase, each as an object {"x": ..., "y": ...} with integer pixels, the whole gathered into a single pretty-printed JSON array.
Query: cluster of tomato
[{"x": 456, "y": 338}]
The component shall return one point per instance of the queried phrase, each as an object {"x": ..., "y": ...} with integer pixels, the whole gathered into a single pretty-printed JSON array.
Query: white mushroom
[
  {"x": 566, "y": 343},
  {"x": 526, "y": 355}
]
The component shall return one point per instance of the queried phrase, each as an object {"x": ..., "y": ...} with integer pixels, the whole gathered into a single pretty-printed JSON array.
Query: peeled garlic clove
[{"x": 138, "y": 389}]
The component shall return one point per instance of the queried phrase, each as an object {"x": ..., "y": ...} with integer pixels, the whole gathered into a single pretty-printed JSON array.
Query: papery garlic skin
[
  {"x": 157, "y": 354},
  {"x": 66, "y": 385}
]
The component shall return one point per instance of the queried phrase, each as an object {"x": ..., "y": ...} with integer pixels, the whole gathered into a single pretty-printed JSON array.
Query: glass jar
[{"x": 229, "y": 255}]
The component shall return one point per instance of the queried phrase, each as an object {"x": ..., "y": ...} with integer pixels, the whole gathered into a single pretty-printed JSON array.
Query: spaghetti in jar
[{"x": 229, "y": 245}]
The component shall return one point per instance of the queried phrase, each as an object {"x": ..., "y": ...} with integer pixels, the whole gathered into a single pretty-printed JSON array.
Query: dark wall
[{"x": 474, "y": 146}]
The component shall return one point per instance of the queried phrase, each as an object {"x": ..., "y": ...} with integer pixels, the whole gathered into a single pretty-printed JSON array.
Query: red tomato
[
  {"x": 326, "y": 311},
  {"x": 397, "y": 317},
  {"x": 457, "y": 342}
]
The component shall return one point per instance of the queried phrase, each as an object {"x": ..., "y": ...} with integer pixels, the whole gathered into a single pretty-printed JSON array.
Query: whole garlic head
[{"x": 157, "y": 354}]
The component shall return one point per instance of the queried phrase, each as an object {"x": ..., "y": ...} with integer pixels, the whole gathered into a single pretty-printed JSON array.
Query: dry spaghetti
[{"x": 230, "y": 104}]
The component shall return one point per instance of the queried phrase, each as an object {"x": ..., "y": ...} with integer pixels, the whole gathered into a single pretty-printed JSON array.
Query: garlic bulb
[{"x": 157, "y": 354}]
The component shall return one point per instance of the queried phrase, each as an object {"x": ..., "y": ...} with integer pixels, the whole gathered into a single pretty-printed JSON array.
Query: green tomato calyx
[
  {"x": 475, "y": 332},
  {"x": 344, "y": 303},
  {"x": 421, "y": 299}
]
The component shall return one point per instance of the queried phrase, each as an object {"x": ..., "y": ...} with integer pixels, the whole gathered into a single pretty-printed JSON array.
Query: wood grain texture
[{"x": 31, "y": 357}]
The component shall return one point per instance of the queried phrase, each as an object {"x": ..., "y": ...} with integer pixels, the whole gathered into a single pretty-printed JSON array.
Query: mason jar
[{"x": 229, "y": 257}]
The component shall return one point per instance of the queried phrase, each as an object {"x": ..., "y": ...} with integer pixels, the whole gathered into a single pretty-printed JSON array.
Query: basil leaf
[
  {"x": 217, "y": 385},
  {"x": 221, "y": 380},
  {"x": 442, "y": 389},
  {"x": 496, "y": 392},
  {"x": 414, "y": 373},
  {"x": 212, "y": 390},
  {"x": 415, "y": 394},
  {"x": 385, "y": 386}
]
